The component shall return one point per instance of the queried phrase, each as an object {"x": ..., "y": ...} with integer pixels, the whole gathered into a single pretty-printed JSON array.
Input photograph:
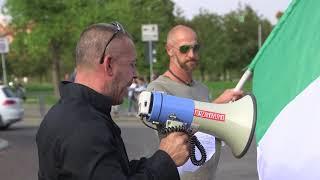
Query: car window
[{"x": 8, "y": 92}]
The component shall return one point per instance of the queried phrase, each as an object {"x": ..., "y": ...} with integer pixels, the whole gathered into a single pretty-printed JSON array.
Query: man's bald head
[
  {"x": 93, "y": 41},
  {"x": 179, "y": 32},
  {"x": 182, "y": 48},
  {"x": 106, "y": 59}
]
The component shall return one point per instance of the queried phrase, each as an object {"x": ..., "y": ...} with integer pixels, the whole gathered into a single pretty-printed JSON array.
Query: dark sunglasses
[
  {"x": 185, "y": 48},
  {"x": 117, "y": 28}
]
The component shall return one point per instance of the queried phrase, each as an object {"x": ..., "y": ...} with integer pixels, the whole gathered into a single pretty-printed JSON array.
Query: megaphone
[{"x": 234, "y": 122}]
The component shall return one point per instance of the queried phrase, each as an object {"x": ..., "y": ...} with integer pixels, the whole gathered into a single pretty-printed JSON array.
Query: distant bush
[
  {"x": 36, "y": 91},
  {"x": 216, "y": 88},
  {"x": 48, "y": 87}
]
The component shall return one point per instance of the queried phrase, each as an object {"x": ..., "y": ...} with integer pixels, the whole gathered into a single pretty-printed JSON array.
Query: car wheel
[{"x": 2, "y": 126}]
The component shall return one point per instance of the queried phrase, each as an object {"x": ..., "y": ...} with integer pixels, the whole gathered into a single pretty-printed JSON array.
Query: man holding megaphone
[
  {"x": 78, "y": 138},
  {"x": 183, "y": 50}
]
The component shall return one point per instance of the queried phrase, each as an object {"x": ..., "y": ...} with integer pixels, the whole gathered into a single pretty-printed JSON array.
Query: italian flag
[{"x": 286, "y": 83}]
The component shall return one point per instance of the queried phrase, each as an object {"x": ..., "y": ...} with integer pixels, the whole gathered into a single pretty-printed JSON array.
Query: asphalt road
[
  {"x": 229, "y": 168},
  {"x": 19, "y": 160}
]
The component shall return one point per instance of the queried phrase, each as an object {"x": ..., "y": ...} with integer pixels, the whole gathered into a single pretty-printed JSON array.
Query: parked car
[{"x": 11, "y": 107}]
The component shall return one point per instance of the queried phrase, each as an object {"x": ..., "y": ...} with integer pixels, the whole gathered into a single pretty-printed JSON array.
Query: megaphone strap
[{"x": 181, "y": 80}]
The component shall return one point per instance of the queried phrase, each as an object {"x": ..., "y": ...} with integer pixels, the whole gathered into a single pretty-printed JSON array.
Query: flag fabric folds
[{"x": 286, "y": 83}]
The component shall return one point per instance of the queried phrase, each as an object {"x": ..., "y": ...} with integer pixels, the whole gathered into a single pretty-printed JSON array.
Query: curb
[{"x": 3, "y": 144}]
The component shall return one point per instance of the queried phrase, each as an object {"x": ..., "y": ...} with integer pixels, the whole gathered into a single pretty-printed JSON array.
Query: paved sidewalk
[{"x": 33, "y": 117}]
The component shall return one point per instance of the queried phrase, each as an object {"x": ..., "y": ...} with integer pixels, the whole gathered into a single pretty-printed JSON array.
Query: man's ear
[
  {"x": 109, "y": 65},
  {"x": 169, "y": 51}
]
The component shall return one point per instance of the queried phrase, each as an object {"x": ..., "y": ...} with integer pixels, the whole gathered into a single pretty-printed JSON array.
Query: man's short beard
[{"x": 184, "y": 65}]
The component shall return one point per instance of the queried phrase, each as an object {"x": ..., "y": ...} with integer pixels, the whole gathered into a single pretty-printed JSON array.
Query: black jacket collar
[{"x": 78, "y": 91}]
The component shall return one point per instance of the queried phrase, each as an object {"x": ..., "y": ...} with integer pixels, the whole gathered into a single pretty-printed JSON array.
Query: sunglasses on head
[
  {"x": 117, "y": 27},
  {"x": 185, "y": 48}
]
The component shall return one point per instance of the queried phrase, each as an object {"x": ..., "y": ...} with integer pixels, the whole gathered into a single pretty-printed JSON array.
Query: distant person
[
  {"x": 72, "y": 77},
  {"x": 154, "y": 76},
  {"x": 142, "y": 85},
  {"x": 20, "y": 91},
  {"x": 131, "y": 98},
  {"x": 78, "y": 139},
  {"x": 183, "y": 50},
  {"x": 66, "y": 76}
]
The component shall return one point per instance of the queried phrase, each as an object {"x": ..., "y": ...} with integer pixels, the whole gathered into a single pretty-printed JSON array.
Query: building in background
[{"x": 5, "y": 30}]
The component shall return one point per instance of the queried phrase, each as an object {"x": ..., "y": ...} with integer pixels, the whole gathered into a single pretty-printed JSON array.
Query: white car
[{"x": 11, "y": 108}]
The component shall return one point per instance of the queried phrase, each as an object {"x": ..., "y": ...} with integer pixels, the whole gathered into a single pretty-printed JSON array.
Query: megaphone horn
[{"x": 234, "y": 122}]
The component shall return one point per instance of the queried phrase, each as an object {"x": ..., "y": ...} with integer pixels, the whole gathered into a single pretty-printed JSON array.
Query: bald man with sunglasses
[{"x": 183, "y": 50}]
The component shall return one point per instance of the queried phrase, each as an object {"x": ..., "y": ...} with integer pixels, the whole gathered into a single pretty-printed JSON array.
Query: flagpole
[
  {"x": 248, "y": 73},
  {"x": 243, "y": 80}
]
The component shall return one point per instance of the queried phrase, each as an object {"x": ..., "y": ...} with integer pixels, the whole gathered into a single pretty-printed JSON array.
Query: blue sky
[{"x": 265, "y": 8}]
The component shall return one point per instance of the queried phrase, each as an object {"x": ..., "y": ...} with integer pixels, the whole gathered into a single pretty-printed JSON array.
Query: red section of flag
[{"x": 209, "y": 115}]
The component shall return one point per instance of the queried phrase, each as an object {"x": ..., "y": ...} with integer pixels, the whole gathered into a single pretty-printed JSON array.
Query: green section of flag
[{"x": 288, "y": 61}]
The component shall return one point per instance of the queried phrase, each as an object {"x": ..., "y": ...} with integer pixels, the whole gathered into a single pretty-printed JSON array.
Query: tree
[
  {"x": 47, "y": 31},
  {"x": 241, "y": 27},
  {"x": 209, "y": 28},
  {"x": 153, "y": 12},
  {"x": 279, "y": 15},
  {"x": 44, "y": 30}
]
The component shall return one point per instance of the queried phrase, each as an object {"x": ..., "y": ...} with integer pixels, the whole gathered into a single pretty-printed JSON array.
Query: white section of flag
[{"x": 290, "y": 149}]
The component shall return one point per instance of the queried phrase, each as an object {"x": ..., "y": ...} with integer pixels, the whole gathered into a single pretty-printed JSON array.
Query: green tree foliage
[
  {"x": 241, "y": 28},
  {"x": 153, "y": 12},
  {"x": 47, "y": 31},
  {"x": 209, "y": 28},
  {"x": 228, "y": 42}
]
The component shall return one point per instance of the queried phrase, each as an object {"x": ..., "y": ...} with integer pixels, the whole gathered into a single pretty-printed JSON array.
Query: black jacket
[{"x": 78, "y": 140}]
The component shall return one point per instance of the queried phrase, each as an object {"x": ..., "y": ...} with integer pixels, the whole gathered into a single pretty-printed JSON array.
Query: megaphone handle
[
  {"x": 243, "y": 80},
  {"x": 194, "y": 142}
]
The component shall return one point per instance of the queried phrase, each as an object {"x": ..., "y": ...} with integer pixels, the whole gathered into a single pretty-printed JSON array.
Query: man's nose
[{"x": 191, "y": 52}]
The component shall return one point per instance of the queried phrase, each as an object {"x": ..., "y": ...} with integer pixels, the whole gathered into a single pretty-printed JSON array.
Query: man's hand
[
  {"x": 177, "y": 146},
  {"x": 228, "y": 95}
]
